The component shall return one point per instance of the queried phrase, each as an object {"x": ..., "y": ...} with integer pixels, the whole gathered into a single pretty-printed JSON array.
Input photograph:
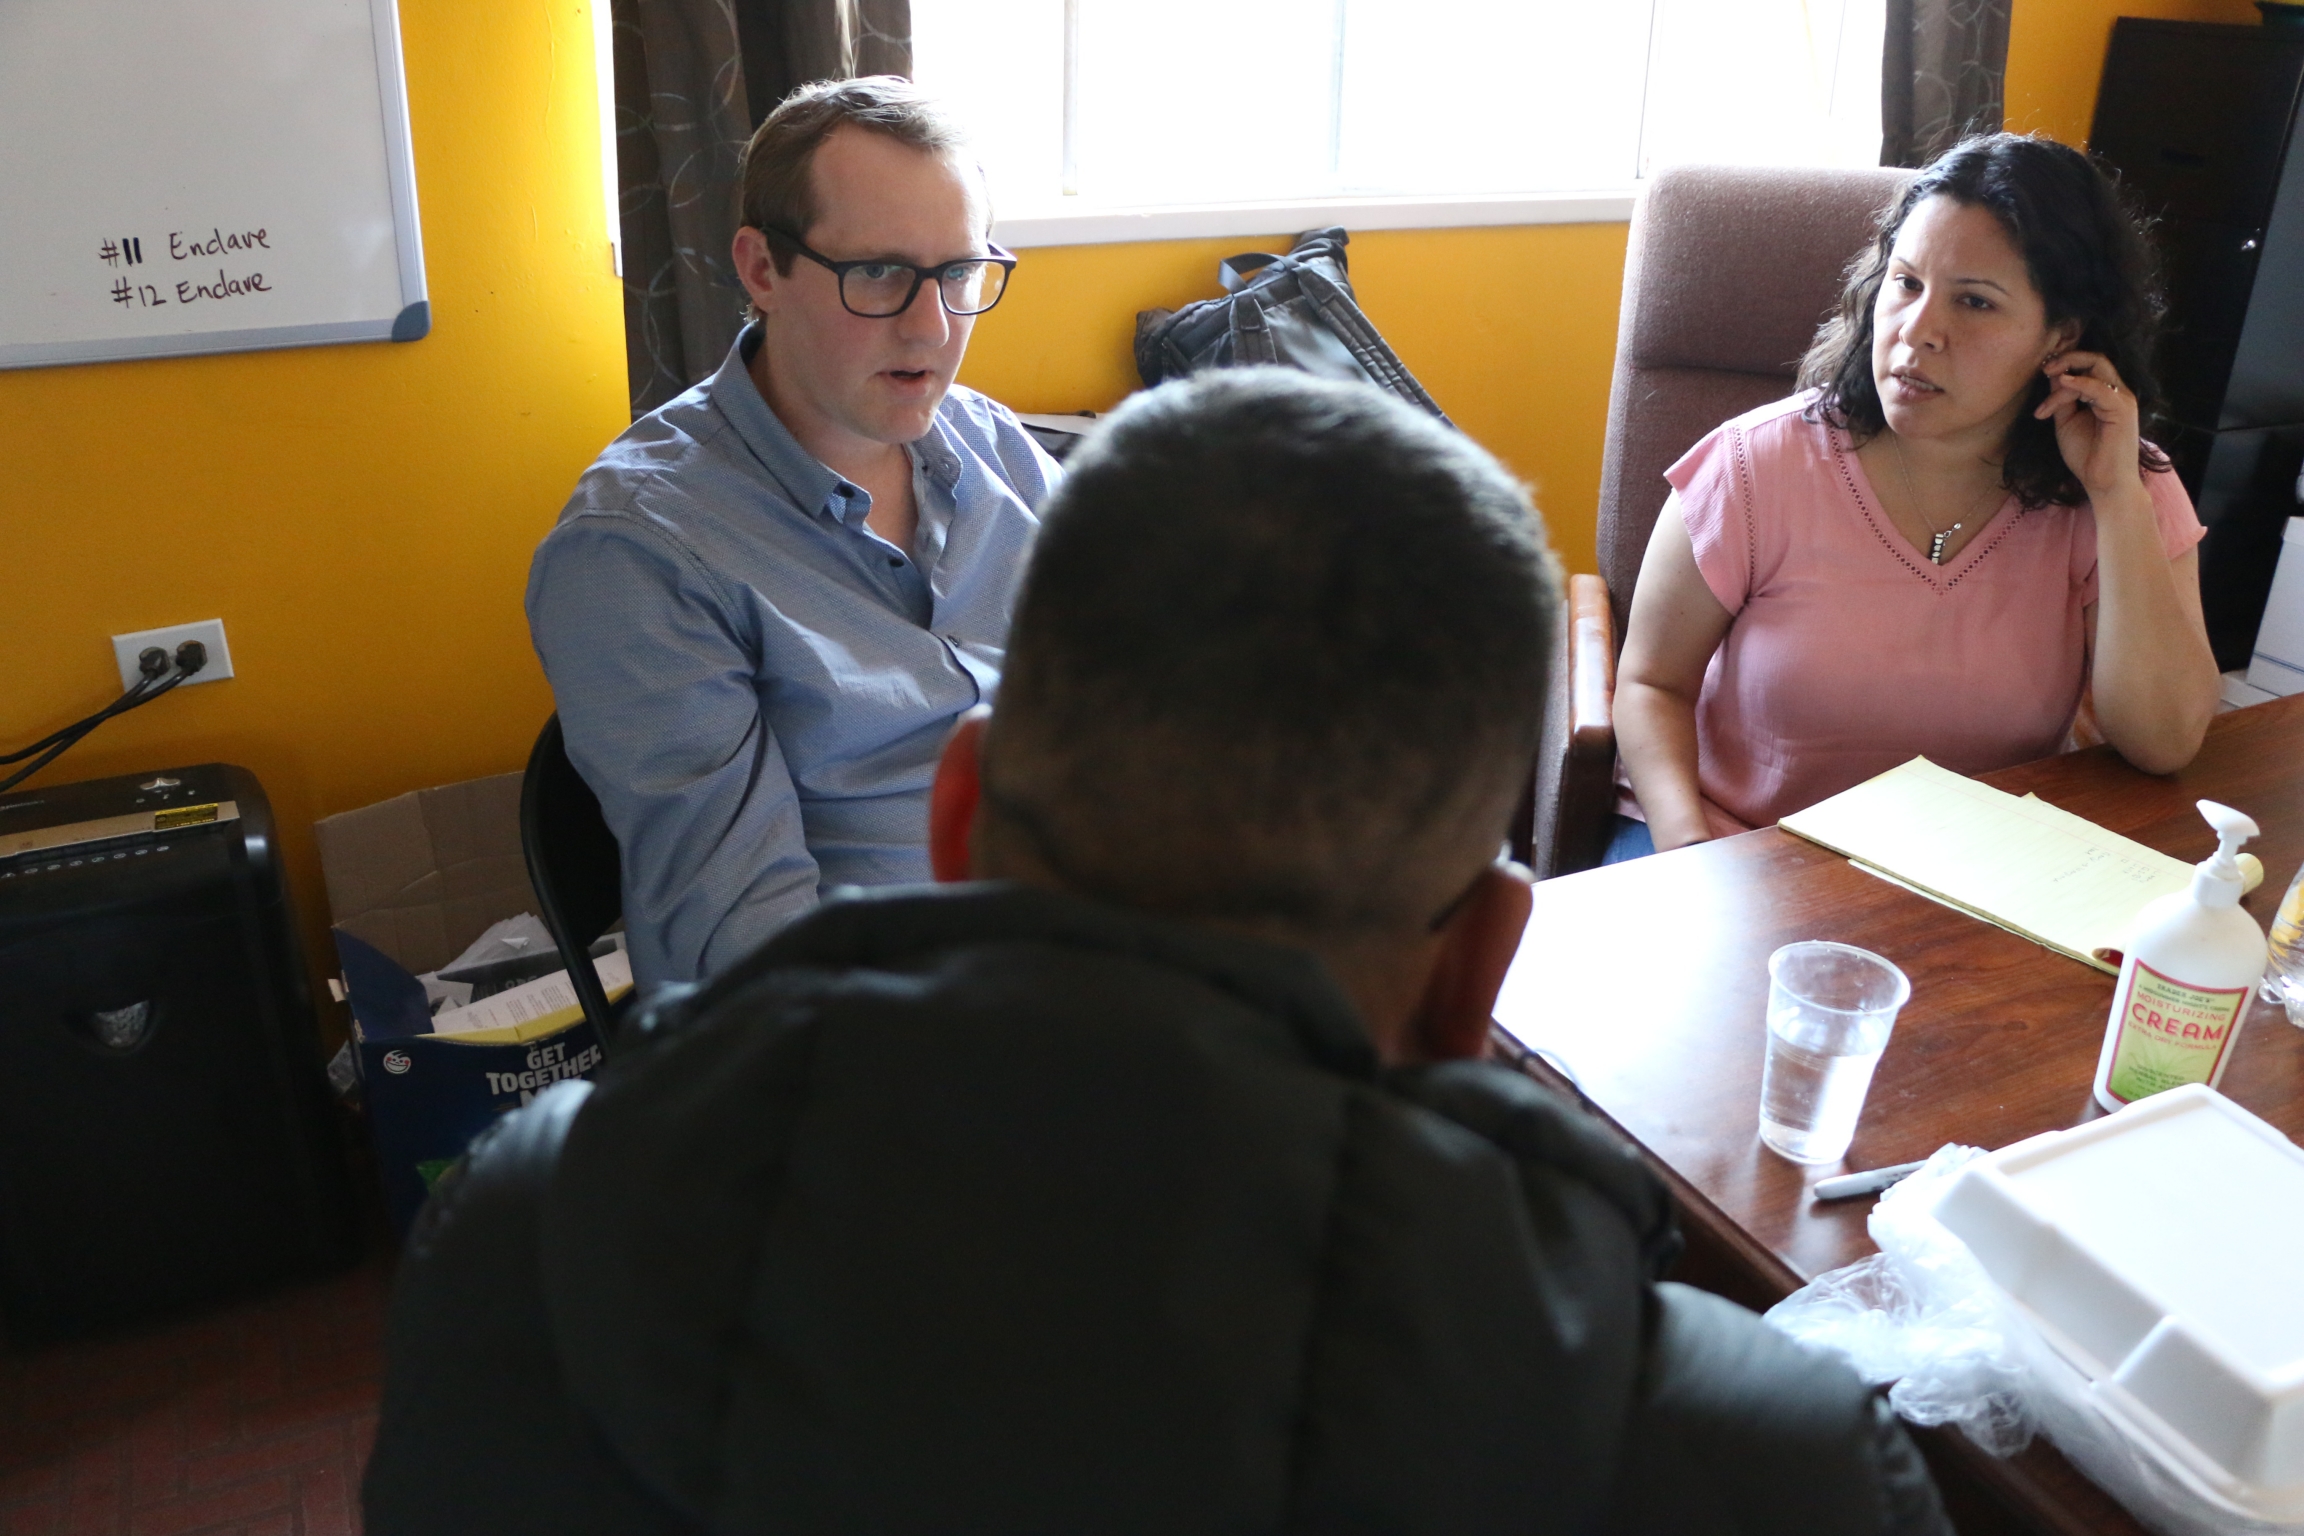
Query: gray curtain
[
  {"x": 693, "y": 78},
  {"x": 1942, "y": 63},
  {"x": 791, "y": 42}
]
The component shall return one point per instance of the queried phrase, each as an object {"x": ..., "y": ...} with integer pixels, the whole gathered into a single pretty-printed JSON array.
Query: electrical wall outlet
[{"x": 209, "y": 632}]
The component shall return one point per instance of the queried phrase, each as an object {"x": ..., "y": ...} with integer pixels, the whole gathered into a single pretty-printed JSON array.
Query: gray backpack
[{"x": 1295, "y": 309}]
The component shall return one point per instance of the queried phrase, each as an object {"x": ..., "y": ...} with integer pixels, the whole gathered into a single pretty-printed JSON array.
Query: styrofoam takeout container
[{"x": 2160, "y": 1251}]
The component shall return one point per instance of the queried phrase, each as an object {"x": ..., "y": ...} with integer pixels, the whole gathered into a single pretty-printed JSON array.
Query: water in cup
[
  {"x": 1831, "y": 1008},
  {"x": 1810, "y": 1097}
]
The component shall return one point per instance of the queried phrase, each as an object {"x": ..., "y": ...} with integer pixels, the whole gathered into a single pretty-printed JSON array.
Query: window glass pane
[
  {"x": 1491, "y": 95},
  {"x": 1204, "y": 100},
  {"x": 999, "y": 64},
  {"x": 1194, "y": 101},
  {"x": 1764, "y": 82}
]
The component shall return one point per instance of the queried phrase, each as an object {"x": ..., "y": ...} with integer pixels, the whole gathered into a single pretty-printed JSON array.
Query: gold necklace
[{"x": 1938, "y": 536}]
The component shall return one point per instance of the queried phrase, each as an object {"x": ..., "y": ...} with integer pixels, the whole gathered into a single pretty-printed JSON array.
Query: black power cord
[
  {"x": 161, "y": 673},
  {"x": 153, "y": 663}
]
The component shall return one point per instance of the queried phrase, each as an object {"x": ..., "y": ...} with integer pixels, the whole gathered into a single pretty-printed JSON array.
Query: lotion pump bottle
[{"x": 2193, "y": 961}]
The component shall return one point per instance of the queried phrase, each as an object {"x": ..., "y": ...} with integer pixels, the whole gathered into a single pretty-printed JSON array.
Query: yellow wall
[
  {"x": 1513, "y": 330},
  {"x": 360, "y": 517}
]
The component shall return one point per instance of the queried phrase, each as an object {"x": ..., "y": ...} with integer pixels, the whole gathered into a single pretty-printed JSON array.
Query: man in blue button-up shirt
[{"x": 768, "y": 601}]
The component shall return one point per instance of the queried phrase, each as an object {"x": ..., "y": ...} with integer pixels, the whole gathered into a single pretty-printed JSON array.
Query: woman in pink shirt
[{"x": 1951, "y": 538}]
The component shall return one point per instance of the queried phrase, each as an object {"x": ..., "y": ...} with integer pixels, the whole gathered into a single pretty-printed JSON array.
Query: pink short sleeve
[
  {"x": 1711, "y": 495},
  {"x": 2180, "y": 528}
]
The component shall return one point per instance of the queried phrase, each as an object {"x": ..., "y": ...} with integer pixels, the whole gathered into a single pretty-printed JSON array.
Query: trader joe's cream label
[{"x": 2171, "y": 1034}]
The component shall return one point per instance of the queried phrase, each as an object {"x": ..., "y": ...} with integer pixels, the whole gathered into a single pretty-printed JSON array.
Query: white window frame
[
  {"x": 1112, "y": 226},
  {"x": 1097, "y": 223},
  {"x": 1108, "y": 225}
]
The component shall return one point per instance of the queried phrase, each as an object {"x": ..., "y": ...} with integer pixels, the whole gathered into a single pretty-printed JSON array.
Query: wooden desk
[{"x": 1648, "y": 982}]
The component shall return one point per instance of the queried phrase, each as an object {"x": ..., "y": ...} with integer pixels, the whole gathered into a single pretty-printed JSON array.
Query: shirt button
[{"x": 896, "y": 562}]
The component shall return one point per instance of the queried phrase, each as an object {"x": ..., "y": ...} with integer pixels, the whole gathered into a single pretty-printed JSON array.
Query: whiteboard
[{"x": 182, "y": 176}]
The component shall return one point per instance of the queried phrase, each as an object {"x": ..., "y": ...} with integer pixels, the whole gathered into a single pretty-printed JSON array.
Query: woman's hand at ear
[{"x": 2097, "y": 423}]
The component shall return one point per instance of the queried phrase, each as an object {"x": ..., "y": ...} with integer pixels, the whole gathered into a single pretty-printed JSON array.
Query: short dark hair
[
  {"x": 2088, "y": 258},
  {"x": 779, "y": 194},
  {"x": 1280, "y": 655}
]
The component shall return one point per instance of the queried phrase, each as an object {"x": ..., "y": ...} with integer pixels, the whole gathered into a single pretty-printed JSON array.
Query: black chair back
[{"x": 574, "y": 865}]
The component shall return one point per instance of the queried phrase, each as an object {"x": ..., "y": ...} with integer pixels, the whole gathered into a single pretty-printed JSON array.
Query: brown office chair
[{"x": 1730, "y": 271}]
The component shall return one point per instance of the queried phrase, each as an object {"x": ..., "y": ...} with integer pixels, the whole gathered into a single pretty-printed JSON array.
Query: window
[{"x": 1086, "y": 104}]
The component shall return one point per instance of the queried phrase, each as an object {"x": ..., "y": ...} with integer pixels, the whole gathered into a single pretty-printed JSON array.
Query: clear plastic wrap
[{"x": 1922, "y": 1314}]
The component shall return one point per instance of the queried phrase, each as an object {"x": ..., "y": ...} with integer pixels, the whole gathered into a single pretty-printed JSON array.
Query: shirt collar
[
  {"x": 812, "y": 484},
  {"x": 935, "y": 455}
]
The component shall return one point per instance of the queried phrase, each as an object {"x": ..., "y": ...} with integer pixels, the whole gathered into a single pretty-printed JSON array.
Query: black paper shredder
[{"x": 166, "y": 1137}]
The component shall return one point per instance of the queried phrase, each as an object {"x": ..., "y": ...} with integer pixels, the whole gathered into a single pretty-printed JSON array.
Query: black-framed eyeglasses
[{"x": 880, "y": 289}]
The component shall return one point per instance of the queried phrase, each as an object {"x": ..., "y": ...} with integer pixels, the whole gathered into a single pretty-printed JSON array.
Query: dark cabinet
[{"x": 2201, "y": 122}]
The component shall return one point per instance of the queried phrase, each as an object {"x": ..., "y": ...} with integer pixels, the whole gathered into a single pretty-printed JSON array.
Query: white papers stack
[{"x": 547, "y": 999}]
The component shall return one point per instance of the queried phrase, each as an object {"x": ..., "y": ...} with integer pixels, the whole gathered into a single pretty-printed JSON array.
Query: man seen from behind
[{"x": 1144, "y": 1177}]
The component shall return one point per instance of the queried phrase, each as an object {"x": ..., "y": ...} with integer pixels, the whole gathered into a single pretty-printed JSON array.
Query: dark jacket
[{"x": 989, "y": 1210}]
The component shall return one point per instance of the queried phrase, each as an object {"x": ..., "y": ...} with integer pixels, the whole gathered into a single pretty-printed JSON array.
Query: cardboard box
[
  {"x": 2278, "y": 663},
  {"x": 2236, "y": 692},
  {"x": 411, "y": 882}
]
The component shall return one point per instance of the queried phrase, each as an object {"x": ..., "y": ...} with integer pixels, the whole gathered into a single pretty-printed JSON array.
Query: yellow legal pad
[{"x": 2053, "y": 877}]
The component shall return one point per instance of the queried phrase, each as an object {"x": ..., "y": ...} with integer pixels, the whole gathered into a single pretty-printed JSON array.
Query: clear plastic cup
[{"x": 1830, "y": 1010}]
